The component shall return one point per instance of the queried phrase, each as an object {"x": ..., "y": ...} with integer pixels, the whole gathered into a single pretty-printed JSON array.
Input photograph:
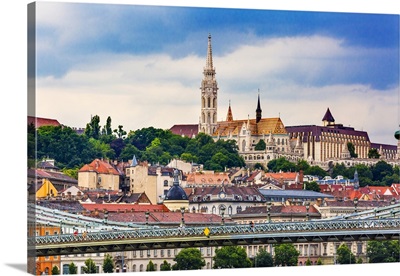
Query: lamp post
[
  {"x": 355, "y": 204},
  {"x": 269, "y": 211},
  {"x": 307, "y": 208},
  {"x": 147, "y": 213},
  {"x": 183, "y": 218},
  {"x": 105, "y": 217},
  {"x": 222, "y": 215}
]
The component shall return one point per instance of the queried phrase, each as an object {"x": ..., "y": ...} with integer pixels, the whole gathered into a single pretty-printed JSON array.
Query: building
[
  {"x": 38, "y": 121},
  {"x": 99, "y": 174},
  {"x": 155, "y": 181},
  {"x": 318, "y": 145}
]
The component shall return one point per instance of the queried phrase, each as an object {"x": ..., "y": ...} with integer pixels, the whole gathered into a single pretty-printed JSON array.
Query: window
[
  {"x": 155, "y": 252},
  {"x": 165, "y": 183}
]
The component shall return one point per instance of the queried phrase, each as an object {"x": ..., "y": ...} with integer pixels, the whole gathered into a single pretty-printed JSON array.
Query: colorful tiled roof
[{"x": 99, "y": 166}]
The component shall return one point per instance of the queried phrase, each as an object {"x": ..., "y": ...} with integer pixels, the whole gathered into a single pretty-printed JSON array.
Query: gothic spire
[
  {"x": 209, "y": 62},
  {"x": 258, "y": 110},
  {"x": 229, "y": 116}
]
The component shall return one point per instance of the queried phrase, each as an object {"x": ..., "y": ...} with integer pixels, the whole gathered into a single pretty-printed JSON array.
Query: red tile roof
[
  {"x": 99, "y": 166},
  {"x": 128, "y": 207},
  {"x": 38, "y": 122}
]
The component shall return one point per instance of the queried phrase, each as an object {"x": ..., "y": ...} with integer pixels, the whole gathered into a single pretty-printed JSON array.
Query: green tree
[
  {"x": 281, "y": 164},
  {"x": 188, "y": 259},
  {"x": 352, "y": 150},
  {"x": 344, "y": 255},
  {"x": 150, "y": 266},
  {"x": 260, "y": 145},
  {"x": 302, "y": 165},
  {"x": 286, "y": 255},
  {"x": 55, "y": 270},
  {"x": 319, "y": 261},
  {"x": 165, "y": 266},
  {"x": 340, "y": 169},
  {"x": 188, "y": 157},
  {"x": 259, "y": 166},
  {"x": 107, "y": 127},
  {"x": 383, "y": 251},
  {"x": 316, "y": 170},
  {"x": 263, "y": 258},
  {"x": 231, "y": 257},
  {"x": 72, "y": 268},
  {"x": 90, "y": 267},
  {"x": 308, "y": 262},
  {"x": 120, "y": 132},
  {"x": 380, "y": 170},
  {"x": 108, "y": 264},
  {"x": 373, "y": 153},
  {"x": 359, "y": 260},
  {"x": 312, "y": 186},
  {"x": 92, "y": 129}
]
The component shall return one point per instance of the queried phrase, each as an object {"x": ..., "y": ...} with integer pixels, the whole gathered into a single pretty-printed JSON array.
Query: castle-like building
[{"x": 319, "y": 145}]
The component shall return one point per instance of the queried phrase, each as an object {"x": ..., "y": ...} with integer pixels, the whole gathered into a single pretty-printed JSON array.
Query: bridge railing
[{"x": 275, "y": 227}]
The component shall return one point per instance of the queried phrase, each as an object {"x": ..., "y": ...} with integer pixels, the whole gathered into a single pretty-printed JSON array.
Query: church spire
[
  {"x": 209, "y": 95},
  {"x": 209, "y": 62},
  {"x": 258, "y": 110},
  {"x": 229, "y": 116}
]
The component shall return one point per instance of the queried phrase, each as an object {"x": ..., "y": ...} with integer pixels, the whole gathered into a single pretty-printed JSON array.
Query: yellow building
[{"x": 46, "y": 189}]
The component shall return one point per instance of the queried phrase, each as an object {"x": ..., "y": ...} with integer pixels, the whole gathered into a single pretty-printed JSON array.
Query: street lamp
[
  {"x": 222, "y": 215},
  {"x": 355, "y": 204},
  {"x": 183, "y": 213},
  {"x": 105, "y": 217},
  {"x": 307, "y": 208},
  {"x": 147, "y": 213},
  {"x": 269, "y": 211}
]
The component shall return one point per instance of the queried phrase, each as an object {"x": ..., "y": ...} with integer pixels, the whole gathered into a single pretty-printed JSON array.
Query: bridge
[{"x": 376, "y": 224}]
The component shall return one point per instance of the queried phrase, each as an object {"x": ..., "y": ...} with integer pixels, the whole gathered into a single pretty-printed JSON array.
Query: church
[{"x": 318, "y": 145}]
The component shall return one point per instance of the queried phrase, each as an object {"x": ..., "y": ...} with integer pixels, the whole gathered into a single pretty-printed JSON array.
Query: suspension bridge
[{"x": 109, "y": 236}]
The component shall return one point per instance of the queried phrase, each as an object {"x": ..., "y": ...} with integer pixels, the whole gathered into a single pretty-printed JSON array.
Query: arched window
[
  {"x": 209, "y": 102},
  {"x": 213, "y": 210},
  {"x": 230, "y": 210}
]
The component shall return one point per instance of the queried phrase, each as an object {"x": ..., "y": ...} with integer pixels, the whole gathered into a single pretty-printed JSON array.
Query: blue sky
[{"x": 142, "y": 65}]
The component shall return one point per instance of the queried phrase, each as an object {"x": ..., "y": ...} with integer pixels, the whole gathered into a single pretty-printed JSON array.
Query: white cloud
[{"x": 156, "y": 90}]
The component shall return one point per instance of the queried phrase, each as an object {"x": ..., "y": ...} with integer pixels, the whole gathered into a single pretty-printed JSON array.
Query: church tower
[{"x": 209, "y": 95}]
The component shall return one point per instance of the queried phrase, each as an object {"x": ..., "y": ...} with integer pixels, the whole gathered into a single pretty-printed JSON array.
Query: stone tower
[{"x": 209, "y": 95}]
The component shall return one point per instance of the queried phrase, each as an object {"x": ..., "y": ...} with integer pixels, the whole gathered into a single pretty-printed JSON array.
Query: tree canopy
[
  {"x": 286, "y": 255},
  {"x": 263, "y": 258},
  {"x": 344, "y": 255},
  {"x": 108, "y": 264},
  {"x": 231, "y": 257},
  {"x": 383, "y": 251},
  {"x": 188, "y": 259}
]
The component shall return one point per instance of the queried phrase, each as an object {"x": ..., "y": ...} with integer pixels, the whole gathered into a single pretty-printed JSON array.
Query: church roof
[
  {"x": 186, "y": 130},
  {"x": 264, "y": 126}
]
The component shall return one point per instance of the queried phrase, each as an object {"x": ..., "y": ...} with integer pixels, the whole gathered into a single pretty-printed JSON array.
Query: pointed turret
[
  {"x": 134, "y": 161},
  {"x": 258, "y": 110},
  {"x": 328, "y": 118},
  {"x": 229, "y": 116}
]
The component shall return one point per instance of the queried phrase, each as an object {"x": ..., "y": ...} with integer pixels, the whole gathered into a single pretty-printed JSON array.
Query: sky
[
  {"x": 13, "y": 56},
  {"x": 143, "y": 65}
]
